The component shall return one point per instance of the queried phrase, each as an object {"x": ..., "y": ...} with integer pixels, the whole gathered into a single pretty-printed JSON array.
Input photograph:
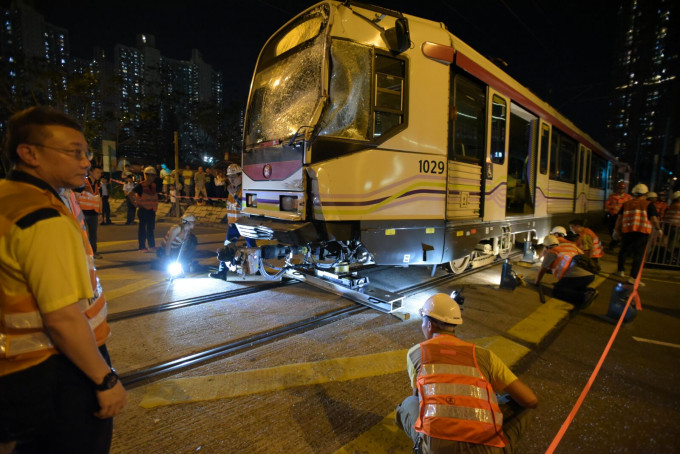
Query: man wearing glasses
[{"x": 58, "y": 392}]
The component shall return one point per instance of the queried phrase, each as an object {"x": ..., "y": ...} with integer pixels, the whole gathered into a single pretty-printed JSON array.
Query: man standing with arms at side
[
  {"x": 90, "y": 201},
  {"x": 454, "y": 406},
  {"x": 147, "y": 202},
  {"x": 634, "y": 225},
  {"x": 58, "y": 392},
  {"x": 612, "y": 208}
]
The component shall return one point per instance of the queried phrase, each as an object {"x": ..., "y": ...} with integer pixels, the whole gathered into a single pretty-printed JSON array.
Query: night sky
[{"x": 562, "y": 50}]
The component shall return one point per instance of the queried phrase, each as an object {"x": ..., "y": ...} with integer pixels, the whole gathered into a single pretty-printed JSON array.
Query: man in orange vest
[
  {"x": 587, "y": 241},
  {"x": 635, "y": 223},
  {"x": 90, "y": 201},
  {"x": 454, "y": 407},
  {"x": 612, "y": 208},
  {"x": 58, "y": 392},
  {"x": 572, "y": 280}
]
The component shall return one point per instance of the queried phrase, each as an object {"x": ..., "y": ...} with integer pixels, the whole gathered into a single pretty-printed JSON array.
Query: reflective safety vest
[
  {"x": 661, "y": 208},
  {"x": 234, "y": 206},
  {"x": 456, "y": 401},
  {"x": 178, "y": 240},
  {"x": 615, "y": 202},
  {"x": 562, "y": 240},
  {"x": 23, "y": 336},
  {"x": 598, "y": 250},
  {"x": 635, "y": 217},
  {"x": 673, "y": 214},
  {"x": 565, "y": 254},
  {"x": 89, "y": 198},
  {"x": 149, "y": 198}
]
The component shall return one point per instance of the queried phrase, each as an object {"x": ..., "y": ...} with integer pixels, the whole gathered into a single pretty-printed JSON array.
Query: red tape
[{"x": 591, "y": 380}]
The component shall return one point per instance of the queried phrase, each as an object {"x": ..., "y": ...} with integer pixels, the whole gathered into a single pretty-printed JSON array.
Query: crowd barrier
[{"x": 664, "y": 250}]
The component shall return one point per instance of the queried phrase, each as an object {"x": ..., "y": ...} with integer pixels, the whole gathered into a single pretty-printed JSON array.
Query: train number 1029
[{"x": 431, "y": 166}]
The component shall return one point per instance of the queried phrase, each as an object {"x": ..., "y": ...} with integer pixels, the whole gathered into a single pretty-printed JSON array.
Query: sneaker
[
  {"x": 631, "y": 281},
  {"x": 219, "y": 275},
  {"x": 144, "y": 250},
  {"x": 620, "y": 274}
]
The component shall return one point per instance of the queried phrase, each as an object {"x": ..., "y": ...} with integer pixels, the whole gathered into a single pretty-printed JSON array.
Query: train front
[{"x": 310, "y": 114}]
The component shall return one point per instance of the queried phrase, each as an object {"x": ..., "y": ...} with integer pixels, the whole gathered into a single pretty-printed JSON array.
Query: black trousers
[
  {"x": 131, "y": 208},
  {"x": 92, "y": 222},
  {"x": 106, "y": 210},
  {"x": 49, "y": 409},
  {"x": 147, "y": 224},
  {"x": 573, "y": 289},
  {"x": 632, "y": 243}
]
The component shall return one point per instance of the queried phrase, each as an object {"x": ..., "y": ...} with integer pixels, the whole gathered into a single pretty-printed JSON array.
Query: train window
[
  {"x": 562, "y": 157},
  {"x": 348, "y": 111},
  {"x": 598, "y": 175},
  {"x": 498, "y": 124},
  {"x": 582, "y": 163},
  {"x": 545, "y": 149},
  {"x": 469, "y": 106},
  {"x": 389, "y": 94}
]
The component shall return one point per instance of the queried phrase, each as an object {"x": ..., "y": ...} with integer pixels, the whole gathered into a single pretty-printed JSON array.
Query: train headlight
[{"x": 175, "y": 269}]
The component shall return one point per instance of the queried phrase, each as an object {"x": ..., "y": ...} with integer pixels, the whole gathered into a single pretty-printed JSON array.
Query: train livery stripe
[{"x": 389, "y": 188}]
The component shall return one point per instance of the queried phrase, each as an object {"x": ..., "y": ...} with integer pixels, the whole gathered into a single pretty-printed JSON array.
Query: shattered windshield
[{"x": 287, "y": 86}]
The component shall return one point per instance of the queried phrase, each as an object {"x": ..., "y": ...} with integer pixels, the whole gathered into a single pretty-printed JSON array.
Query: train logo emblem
[{"x": 267, "y": 171}]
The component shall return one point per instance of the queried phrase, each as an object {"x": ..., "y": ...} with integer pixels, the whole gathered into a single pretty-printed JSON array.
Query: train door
[
  {"x": 542, "y": 180},
  {"x": 522, "y": 155},
  {"x": 581, "y": 186},
  {"x": 496, "y": 166}
]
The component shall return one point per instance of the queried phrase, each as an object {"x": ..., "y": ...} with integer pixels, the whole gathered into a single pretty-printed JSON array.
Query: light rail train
[{"x": 373, "y": 136}]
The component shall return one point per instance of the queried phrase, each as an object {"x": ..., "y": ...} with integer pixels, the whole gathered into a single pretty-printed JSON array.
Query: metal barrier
[{"x": 665, "y": 250}]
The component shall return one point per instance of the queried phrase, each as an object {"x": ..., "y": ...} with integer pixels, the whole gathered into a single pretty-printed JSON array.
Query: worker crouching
[
  {"x": 454, "y": 407},
  {"x": 179, "y": 246}
]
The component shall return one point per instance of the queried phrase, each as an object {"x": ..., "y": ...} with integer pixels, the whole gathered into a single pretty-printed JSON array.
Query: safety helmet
[
  {"x": 550, "y": 240},
  {"x": 442, "y": 307},
  {"x": 559, "y": 230},
  {"x": 640, "y": 189},
  {"x": 676, "y": 195},
  {"x": 651, "y": 195},
  {"x": 150, "y": 170},
  {"x": 233, "y": 169},
  {"x": 621, "y": 185},
  {"x": 188, "y": 218}
]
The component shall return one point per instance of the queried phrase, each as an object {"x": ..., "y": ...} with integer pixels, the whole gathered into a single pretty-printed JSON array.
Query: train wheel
[{"x": 459, "y": 265}]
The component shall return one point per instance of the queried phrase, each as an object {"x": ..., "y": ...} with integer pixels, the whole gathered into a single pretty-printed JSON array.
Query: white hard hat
[
  {"x": 676, "y": 195},
  {"x": 550, "y": 240},
  {"x": 233, "y": 169},
  {"x": 188, "y": 218},
  {"x": 652, "y": 194},
  {"x": 442, "y": 307},
  {"x": 559, "y": 229},
  {"x": 150, "y": 170},
  {"x": 640, "y": 189}
]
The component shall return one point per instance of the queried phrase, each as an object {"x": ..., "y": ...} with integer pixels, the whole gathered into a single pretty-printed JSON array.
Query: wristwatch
[{"x": 109, "y": 381}]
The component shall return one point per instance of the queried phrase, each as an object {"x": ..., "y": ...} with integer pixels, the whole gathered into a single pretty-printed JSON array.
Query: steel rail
[
  {"x": 155, "y": 372},
  {"x": 123, "y": 315}
]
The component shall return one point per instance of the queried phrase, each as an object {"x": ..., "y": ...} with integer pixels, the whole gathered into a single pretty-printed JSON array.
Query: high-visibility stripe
[
  {"x": 24, "y": 343},
  {"x": 467, "y": 413},
  {"x": 430, "y": 369},
  {"x": 455, "y": 389}
]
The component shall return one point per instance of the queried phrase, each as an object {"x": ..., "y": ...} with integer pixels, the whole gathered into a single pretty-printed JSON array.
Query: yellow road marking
[
  {"x": 211, "y": 387},
  {"x": 130, "y": 288},
  {"x": 384, "y": 437},
  {"x": 539, "y": 323}
]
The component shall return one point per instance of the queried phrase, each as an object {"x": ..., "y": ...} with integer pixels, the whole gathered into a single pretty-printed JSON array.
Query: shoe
[
  {"x": 219, "y": 275},
  {"x": 590, "y": 298},
  {"x": 98, "y": 256},
  {"x": 620, "y": 274},
  {"x": 144, "y": 250},
  {"x": 631, "y": 281},
  {"x": 102, "y": 223}
]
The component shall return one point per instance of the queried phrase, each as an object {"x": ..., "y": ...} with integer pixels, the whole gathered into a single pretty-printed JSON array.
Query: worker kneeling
[
  {"x": 179, "y": 247},
  {"x": 454, "y": 407}
]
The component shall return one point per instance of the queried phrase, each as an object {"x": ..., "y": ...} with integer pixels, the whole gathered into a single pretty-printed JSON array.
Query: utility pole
[{"x": 177, "y": 210}]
